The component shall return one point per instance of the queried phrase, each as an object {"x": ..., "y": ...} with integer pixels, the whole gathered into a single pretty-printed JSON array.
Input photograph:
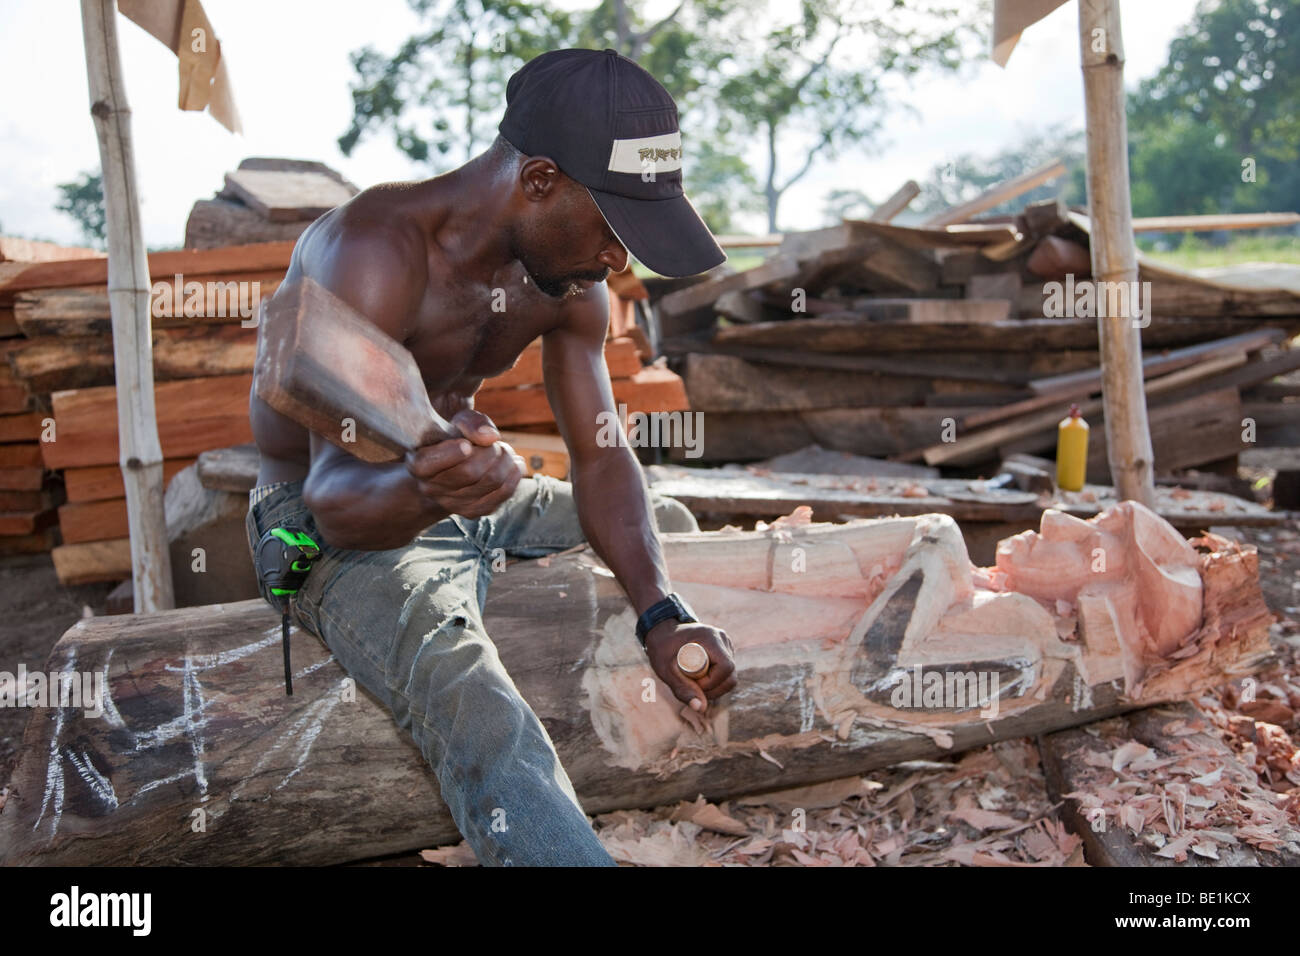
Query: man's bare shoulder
[
  {"x": 372, "y": 252},
  {"x": 377, "y": 222}
]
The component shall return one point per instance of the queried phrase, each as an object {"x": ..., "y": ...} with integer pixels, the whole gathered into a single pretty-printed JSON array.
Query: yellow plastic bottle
[{"x": 1071, "y": 451}]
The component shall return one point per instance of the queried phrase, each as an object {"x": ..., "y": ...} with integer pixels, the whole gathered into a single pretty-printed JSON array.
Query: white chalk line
[
  {"x": 301, "y": 736},
  {"x": 54, "y": 785},
  {"x": 204, "y": 662}
]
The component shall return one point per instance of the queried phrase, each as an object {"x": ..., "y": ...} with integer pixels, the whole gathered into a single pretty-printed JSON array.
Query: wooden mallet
[{"x": 325, "y": 366}]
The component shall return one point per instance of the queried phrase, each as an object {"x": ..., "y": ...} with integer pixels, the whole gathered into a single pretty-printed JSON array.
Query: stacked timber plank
[
  {"x": 198, "y": 414},
  {"x": 266, "y": 200},
  {"x": 27, "y": 497},
  {"x": 59, "y": 369},
  {"x": 946, "y": 346},
  {"x": 204, "y": 309}
]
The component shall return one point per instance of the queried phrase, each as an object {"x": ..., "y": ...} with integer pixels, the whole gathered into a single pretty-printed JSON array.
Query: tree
[
  {"x": 1216, "y": 128},
  {"x": 720, "y": 185},
  {"x": 821, "y": 79},
  {"x": 443, "y": 92},
  {"x": 1208, "y": 173},
  {"x": 453, "y": 75},
  {"x": 846, "y": 204},
  {"x": 735, "y": 78},
  {"x": 83, "y": 200}
]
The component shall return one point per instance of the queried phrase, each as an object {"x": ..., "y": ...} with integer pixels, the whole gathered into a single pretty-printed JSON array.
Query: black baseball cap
[{"x": 612, "y": 127}]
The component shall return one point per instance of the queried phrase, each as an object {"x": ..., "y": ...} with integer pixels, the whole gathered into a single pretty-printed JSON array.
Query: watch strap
[{"x": 670, "y": 607}]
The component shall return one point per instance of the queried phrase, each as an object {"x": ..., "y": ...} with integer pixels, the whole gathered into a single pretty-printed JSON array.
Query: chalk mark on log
[
  {"x": 54, "y": 786},
  {"x": 301, "y": 734}
]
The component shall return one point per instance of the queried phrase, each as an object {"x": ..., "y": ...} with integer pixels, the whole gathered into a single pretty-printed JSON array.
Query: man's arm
[
  {"x": 381, "y": 272},
  {"x": 610, "y": 492}
]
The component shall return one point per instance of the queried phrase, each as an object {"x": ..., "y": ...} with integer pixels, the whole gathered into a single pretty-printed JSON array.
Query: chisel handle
[{"x": 693, "y": 660}]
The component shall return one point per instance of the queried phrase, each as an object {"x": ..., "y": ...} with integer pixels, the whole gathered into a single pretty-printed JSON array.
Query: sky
[{"x": 288, "y": 63}]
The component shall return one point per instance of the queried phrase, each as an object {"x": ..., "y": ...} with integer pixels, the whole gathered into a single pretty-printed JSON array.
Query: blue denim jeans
[{"x": 407, "y": 625}]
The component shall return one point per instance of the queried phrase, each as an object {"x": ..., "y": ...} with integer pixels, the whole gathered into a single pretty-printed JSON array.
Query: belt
[{"x": 265, "y": 491}]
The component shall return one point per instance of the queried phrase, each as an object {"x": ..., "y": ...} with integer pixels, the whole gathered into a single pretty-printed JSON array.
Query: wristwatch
[{"x": 657, "y": 613}]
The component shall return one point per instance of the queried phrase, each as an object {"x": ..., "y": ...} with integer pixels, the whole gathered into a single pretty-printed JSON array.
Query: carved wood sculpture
[{"x": 836, "y": 627}]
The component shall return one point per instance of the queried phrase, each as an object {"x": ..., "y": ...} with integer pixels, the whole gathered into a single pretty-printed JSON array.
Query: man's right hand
[{"x": 470, "y": 476}]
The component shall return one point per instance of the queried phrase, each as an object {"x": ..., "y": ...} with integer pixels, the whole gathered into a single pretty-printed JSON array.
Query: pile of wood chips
[
  {"x": 990, "y": 807},
  {"x": 986, "y": 808},
  {"x": 1192, "y": 802}
]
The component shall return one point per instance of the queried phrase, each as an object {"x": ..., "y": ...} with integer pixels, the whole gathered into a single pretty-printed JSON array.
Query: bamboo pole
[
  {"x": 1114, "y": 254},
  {"x": 140, "y": 454}
]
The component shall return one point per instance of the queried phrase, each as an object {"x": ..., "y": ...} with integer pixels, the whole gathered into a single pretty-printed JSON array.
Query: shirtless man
[{"x": 587, "y": 166}]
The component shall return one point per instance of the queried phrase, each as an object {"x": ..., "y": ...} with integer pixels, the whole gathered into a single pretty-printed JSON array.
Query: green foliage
[
  {"x": 451, "y": 77},
  {"x": 443, "y": 92},
  {"x": 819, "y": 80},
  {"x": 816, "y": 78},
  {"x": 1207, "y": 173},
  {"x": 83, "y": 200},
  {"x": 721, "y": 185},
  {"x": 1227, "y": 95}
]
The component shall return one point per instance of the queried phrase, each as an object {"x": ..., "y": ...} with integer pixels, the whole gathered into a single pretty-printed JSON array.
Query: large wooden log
[
  {"x": 730, "y": 384},
  {"x": 217, "y": 299},
  {"x": 13, "y": 249},
  {"x": 52, "y": 364},
  {"x": 58, "y": 363},
  {"x": 199, "y": 757},
  {"x": 97, "y": 482}
]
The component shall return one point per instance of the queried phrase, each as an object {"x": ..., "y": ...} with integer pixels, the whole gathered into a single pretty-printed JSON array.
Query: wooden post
[
  {"x": 1114, "y": 254},
  {"x": 140, "y": 454}
]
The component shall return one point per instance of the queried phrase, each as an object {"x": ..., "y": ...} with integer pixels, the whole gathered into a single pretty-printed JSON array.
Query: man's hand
[
  {"x": 470, "y": 476},
  {"x": 662, "y": 644}
]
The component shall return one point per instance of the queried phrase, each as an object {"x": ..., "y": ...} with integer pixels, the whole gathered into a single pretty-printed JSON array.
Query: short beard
[
  {"x": 557, "y": 287},
  {"x": 553, "y": 286},
  {"x": 564, "y": 287}
]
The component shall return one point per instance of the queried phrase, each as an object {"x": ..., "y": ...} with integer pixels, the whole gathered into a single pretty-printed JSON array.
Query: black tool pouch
[{"x": 282, "y": 560}]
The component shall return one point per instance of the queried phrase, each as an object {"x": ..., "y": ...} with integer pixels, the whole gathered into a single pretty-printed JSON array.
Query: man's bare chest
[{"x": 467, "y": 333}]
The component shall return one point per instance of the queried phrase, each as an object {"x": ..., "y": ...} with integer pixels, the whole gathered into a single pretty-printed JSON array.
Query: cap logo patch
[
  {"x": 662, "y": 153},
  {"x": 658, "y": 154}
]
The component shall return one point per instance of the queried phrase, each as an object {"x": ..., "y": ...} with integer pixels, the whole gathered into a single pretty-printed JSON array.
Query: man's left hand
[{"x": 667, "y": 637}]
